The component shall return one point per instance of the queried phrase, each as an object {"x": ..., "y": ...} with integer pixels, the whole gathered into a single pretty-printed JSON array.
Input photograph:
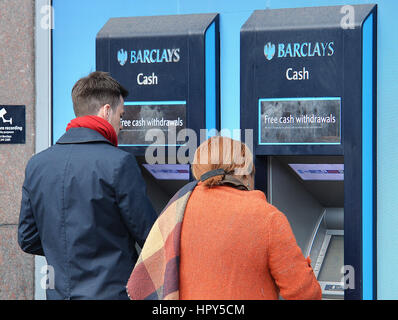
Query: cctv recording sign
[{"x": 12, "y": 124}]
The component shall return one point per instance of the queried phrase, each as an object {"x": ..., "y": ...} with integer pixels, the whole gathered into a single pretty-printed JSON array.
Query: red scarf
[{"x": 95, "y": 123}]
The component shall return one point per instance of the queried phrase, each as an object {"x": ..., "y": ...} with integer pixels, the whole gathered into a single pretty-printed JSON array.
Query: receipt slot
[
  {"x": 170, "y": 65},
  {"x": 308, "y": 92}
]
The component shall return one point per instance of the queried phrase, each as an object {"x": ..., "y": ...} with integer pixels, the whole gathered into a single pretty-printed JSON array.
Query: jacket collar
[{"x": 82, "y": 135}]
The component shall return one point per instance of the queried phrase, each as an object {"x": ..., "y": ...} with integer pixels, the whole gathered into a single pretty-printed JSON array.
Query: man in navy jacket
[{"x": 84, "y": 204}]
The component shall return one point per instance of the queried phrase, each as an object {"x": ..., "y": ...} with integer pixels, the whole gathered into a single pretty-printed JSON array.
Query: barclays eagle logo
[
  {"x": 122, "y": 57},
  {"x": 269, "y": 50}
]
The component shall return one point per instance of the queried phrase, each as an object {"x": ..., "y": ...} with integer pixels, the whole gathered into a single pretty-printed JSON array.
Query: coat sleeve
[
  {"x": 136, "y": 210},
  {"x": 291, "y": 271},
  {"x": 28, "y": 235}
]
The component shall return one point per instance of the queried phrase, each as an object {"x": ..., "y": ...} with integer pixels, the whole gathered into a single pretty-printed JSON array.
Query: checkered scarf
[{"x": 156, "y": 273}]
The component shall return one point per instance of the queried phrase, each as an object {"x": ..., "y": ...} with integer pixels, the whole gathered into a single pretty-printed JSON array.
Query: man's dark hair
[{"x": 90, "y": 93}]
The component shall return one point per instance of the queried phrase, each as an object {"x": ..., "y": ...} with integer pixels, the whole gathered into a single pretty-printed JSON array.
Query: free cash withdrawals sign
[
  {"x": 300, "y": 121},
  {"x": 12, "y": 124},
  {"x": 140, "y": 117}
]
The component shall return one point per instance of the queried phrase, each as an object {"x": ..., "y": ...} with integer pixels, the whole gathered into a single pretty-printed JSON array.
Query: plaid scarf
[{"x": 156, "y": 274}]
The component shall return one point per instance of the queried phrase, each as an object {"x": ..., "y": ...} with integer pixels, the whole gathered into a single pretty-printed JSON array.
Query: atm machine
[
  {"x": 308, "y": 93},
  {"x": 170, "y": 65}
]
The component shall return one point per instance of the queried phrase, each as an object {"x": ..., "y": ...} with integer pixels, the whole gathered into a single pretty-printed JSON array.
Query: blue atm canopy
[
  {"x": 170, "y": 65},
  {"x": 308, "y": 87}
]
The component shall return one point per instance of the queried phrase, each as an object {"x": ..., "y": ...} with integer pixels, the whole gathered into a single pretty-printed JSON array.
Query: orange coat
[{"x": 236, "y": 246}]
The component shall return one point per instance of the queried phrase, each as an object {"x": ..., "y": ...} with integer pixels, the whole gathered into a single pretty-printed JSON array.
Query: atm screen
[
  {"x": 141, "y": 116},
  {"x": 333, "y": 261},
  {"x": 299, "y": 121},
  {"x": 168, "y": 171},
  {"x": 321, "y": 171}
]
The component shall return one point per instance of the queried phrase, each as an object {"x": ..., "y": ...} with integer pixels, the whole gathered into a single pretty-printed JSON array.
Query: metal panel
[{"x": 43, "y": 105}]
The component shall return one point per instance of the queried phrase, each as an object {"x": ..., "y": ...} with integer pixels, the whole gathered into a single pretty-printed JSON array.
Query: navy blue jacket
[{"x": 84, "y": 206}]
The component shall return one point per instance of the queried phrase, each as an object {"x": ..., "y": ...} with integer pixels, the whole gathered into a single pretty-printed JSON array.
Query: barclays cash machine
[
  {"x": 308, "y": 92},
  {"x": 170, "y": 65}
]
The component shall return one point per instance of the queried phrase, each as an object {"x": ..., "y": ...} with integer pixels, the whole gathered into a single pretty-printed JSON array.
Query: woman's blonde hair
[{"x": 233, "y": 156}]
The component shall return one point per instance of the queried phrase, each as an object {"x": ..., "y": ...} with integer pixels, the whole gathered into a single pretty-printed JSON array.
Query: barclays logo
[
  {"x": 149, "y": 56},
  {"x": 269, "y": 50},
  {"x": 299, "y": 50},
  {"x": 122, "y": 56}
]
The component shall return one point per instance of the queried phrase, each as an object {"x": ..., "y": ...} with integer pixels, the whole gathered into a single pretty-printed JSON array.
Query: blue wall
[{"x": 76, "y": 25}]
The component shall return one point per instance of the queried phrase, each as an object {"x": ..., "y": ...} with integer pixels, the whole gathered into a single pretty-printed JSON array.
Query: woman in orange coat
[
  {"x": 220, "y": 239},
  {"x": 234, "y": 244}
]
